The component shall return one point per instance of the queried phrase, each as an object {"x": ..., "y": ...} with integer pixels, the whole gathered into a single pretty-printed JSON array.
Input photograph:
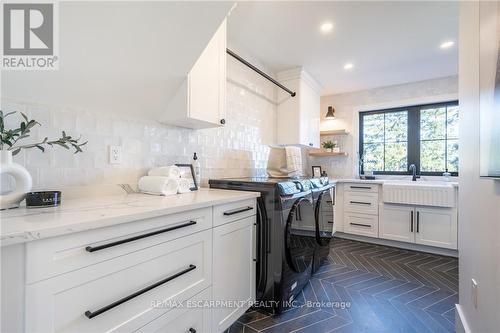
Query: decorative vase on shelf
[
  {"x": 329, "y": 150},
  {"x": 22, "y": 179},
  {"x": 336, "y": 149}
]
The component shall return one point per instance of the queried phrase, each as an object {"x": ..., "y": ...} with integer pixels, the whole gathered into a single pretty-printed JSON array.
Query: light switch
[{"x": 474, "y": 291}]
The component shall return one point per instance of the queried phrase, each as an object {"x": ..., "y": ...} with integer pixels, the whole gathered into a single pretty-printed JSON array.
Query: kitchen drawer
[
  {"x": 361, "y": 224},
  {"x": 191, "y": 316},
  {"x": 360, "y": 187},
  {"x": 234, "y": 211},
  {"x": 358, "y": 202},
  {"x": 54, "y": 256},
  {"x": 178, "y": 270}
]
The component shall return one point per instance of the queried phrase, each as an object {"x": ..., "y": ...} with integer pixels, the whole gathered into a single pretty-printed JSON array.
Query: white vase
[{"x": 21, "y": 176}]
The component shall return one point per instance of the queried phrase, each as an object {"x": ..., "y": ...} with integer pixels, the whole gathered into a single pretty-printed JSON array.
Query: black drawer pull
[
  {"x": 329, "y": 201},
  {"x": 237, "y": 210},
  {"x": 192, "y": 330},
  {"x": 361, "y": 225},
  {"x": 418, "y": 221},
  {"x": 411, "y": 221},
  {"x": 331, "y": 222},
  {"x": 131, "y": 239},
  {"x": 90, "y": 314},
  {"x": 362, "y": 187},
  {"x": 360, "y": 203}
]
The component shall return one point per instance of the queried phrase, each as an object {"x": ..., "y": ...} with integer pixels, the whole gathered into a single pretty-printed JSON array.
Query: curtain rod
[{"x": 246, "y": 63}]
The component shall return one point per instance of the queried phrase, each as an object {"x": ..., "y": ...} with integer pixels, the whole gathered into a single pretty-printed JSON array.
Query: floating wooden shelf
[
  {"x": 326, "y": 154},
  {"x": 334, "y": 132}
]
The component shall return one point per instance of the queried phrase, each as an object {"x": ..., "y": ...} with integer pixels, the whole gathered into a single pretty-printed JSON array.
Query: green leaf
[
  {"x": 15, "y": 152},
  {"x": 41, "y": 148},
  {"x": 24, "y": 116}
]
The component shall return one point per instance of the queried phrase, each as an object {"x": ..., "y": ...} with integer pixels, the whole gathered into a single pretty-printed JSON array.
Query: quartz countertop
[{"x": 27, "y": 224}]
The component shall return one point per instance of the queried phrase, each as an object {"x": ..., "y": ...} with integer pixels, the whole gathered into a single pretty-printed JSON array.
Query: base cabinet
[
  {"x": 436, "y": 227},
  {"x": 433, "y": 226},
  {"x": 396, "y": 223},
  {"x": 234, "y": 271}
]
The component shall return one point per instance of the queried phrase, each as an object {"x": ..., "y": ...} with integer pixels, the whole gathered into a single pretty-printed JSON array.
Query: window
[{"x": 425, "y": 135}]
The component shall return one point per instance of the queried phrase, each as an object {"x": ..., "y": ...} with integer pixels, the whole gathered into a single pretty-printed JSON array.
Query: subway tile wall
[{"x": 238, "y": 149}]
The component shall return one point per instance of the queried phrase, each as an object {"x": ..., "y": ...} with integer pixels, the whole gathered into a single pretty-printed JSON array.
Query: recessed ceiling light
[
  {"x": 447, "y": 44},
  {"x": 348, "y": 66},
  {"x": 326, "y": 27}
]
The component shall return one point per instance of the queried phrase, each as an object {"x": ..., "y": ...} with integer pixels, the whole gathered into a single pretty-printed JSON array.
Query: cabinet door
[
  {"x": 207, "y": 81},
  {"x": 436, "y": 227},
  {"x": 397, "y": 222},
  {"x": 233, "y": 270}
]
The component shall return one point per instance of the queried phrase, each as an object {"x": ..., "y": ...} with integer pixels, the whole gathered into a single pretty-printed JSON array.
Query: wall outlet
[
  {"x": 115, "y": 154},
  {"x": 474, "y": 291}
]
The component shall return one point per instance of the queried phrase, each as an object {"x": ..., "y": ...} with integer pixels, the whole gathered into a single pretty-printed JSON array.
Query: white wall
[
  {"x": 348, "y": 105},
  {"x": 479, "y": 199},
  {"x": 236, "y": 150}
]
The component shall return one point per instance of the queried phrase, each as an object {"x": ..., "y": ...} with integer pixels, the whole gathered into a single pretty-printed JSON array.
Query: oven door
[{"x": 299, "y": 246}]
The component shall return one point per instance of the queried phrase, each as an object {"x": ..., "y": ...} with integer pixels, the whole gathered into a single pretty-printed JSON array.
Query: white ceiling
[{"x": 388, "y": 42}]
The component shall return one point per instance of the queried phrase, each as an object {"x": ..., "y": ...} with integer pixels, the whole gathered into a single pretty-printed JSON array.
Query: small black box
[{"x": 43, "y": 199}]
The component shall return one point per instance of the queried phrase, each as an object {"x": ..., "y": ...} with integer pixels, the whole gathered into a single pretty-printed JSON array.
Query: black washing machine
[
  {"x": 285, "y": 254},
  {"x": 323, "y": 198}
]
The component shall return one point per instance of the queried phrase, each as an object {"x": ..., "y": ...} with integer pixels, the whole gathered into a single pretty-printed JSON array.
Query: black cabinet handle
[
  {"x": 90, "y": 314},
  {"x": 362, "y": 187},
  {"x": 223, "y": 121},
  {"x": 360, "y": 203},
  {"x": 131, "y": 239},
  {"x": 329, "y": 201},
  {"x": 331, "y": 222},
  {"x": 237, "y": 210},
  {"x": 192, "y": 330},
  {"x": 411, "y": 221},
  {"x": 361, "y": 225},
  {"x": 418, "y": 221}
]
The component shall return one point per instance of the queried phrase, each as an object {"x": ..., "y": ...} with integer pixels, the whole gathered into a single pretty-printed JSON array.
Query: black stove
[{"x": 290, "y": 243}]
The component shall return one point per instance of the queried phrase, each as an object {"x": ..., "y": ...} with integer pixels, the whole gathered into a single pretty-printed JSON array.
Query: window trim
[{"x": 413, "y": 137}]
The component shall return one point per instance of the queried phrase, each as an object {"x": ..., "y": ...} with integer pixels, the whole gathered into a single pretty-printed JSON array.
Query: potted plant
[
  {"x": 328, "y": 145},
  {"x": 10, "y": 144}
]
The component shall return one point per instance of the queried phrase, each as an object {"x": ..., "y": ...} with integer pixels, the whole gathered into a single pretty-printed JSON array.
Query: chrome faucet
[{"x": 413, "y": 169}]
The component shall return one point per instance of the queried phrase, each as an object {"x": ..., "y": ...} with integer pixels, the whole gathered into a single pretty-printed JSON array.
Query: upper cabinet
[
  {"x": 200, "y": 102},
  {"x": 298, "y": 117}
]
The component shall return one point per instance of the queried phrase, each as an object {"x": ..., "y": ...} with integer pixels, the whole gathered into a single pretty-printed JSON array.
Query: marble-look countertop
[
  {"x": 382, "y": 181},
  {"x": 23, "y": 224}
]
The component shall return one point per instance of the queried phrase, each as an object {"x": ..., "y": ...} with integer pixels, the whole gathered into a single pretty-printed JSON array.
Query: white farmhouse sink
[{"x": 424, "y": 193}]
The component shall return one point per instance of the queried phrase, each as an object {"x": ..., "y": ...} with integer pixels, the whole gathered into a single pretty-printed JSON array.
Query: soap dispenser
[{"x": 197, "y": 169}]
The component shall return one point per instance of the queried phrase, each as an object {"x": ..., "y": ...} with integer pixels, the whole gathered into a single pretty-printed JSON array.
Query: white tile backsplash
[{"x": 238, "y": 149}]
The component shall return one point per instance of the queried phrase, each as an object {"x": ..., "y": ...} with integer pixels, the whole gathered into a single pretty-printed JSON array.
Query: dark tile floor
[{"x": 384, "y": 289}]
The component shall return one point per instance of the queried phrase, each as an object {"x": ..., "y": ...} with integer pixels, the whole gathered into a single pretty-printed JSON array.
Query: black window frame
[{"x": 413, "y": 137}]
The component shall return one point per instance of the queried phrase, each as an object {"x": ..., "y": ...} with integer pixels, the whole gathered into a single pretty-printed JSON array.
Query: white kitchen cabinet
[
  {"x": 433, "y": 226},
  {"x": 298, "y": 117},
  {"x": 436, "y": 227},
  {"x": 397, "y": 222},
  {"x": 200, "y": 102},
  {"x": 234, "y": 270}
]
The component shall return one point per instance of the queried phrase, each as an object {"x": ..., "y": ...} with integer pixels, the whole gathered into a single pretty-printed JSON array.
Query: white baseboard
[
  {"x": 402, "y": 245},
  {"x": 461, "y": 325}
]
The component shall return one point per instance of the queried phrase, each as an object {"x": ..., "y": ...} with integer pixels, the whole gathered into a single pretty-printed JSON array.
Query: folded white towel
[
  {"x": 158, "y": 185},
  {"x": 184, "y": 185},
  {"x": 172, "y": 171},
  {"x": 294, "y": 161}
]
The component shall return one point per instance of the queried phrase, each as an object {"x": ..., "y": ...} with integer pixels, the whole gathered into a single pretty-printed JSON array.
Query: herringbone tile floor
[{"x": 384, "y": 289}]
